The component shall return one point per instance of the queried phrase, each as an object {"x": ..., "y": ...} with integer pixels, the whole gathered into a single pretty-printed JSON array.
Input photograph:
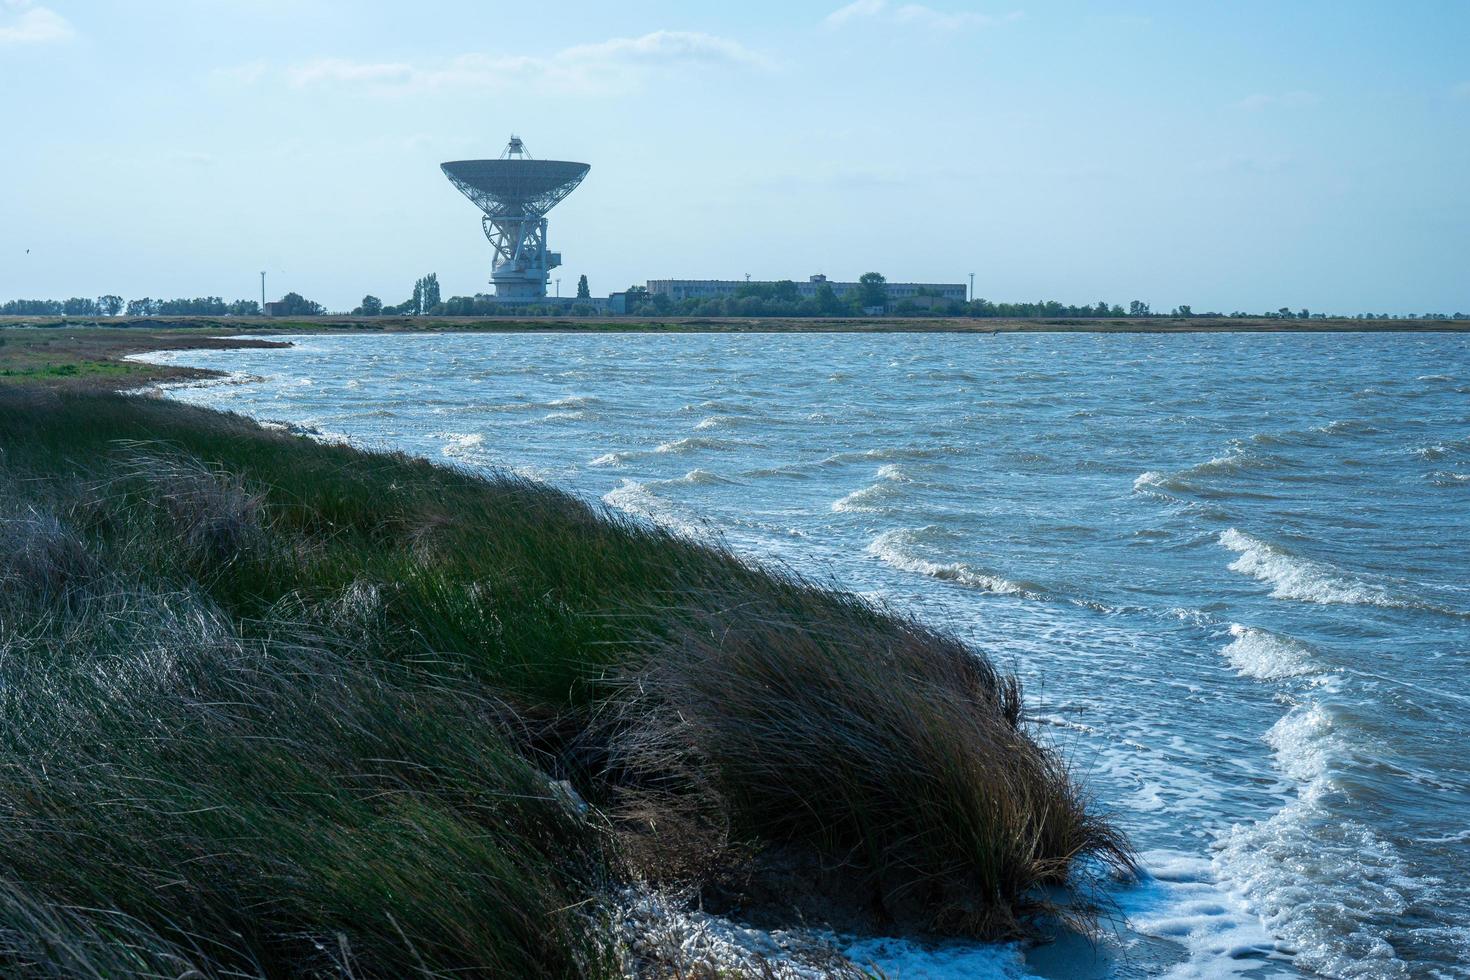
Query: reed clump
[{"x": 275, "y": 707}]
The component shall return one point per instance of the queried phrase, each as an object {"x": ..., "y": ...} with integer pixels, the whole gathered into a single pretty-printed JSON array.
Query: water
[{"x": 1230, "y": 569}]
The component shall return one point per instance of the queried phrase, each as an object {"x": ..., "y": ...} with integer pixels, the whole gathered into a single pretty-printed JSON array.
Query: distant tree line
[
  {"x": 753, "y": 299},
  {"x": 114, "y": 305}
]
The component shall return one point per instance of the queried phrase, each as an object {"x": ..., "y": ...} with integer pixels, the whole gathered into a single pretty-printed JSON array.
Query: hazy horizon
[{"x": 1246, "y": 157}]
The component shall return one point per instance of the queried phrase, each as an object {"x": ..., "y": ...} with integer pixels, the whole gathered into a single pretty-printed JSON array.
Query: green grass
[
  {"x": 42, "y": 372},
  {"x": 275, "y": 707}
]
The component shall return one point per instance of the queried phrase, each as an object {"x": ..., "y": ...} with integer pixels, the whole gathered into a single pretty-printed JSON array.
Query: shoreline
[
  {"x": 598, "y": 741},
  {"x": 562, "y": 324}
]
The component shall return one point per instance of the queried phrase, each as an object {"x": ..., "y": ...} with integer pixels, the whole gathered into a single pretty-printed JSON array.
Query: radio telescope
[{"x": 515, "y": 192}]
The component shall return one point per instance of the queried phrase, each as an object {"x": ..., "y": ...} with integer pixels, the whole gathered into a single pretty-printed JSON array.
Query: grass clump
[{"x": 272, "y": 707}]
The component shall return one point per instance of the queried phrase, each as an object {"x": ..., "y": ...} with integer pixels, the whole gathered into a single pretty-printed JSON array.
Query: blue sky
[{"x": 1242, "y": 155}]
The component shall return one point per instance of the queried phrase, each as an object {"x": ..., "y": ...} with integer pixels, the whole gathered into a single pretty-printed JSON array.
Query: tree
[
  {"x": 827, "y": 302},
  {"x": 79, "y": 306},
  {"x": 371, "y": 306},
  {"x": 109, "y": 305},
  {"x": 431, "y": 292},
  {"x": 140, "y": 307},
  {"x": 294, "y": 304},
  {"x": 1138, "y": 308},
  {"x": 244, "y": 307},
  {"x": 1183, "y": 310},
  {"x": 874, "y": 290},
  {"x": 583, "y": 290}
]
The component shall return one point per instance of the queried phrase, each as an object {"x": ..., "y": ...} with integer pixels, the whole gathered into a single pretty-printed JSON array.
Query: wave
[
  {"x": 461, "y": 443},
  {"x": 700, "y": 477},
  {"x": 1267, "y": 656},
  {"x": 885, "y": 453},
  {"x": 718, "y": 422},
  {"x": 632, "y": 497},
  {"x": 873, "y": 499},
  {"x": 1240, "y": 461},
  {"x": 691, "y": 444},
  {"x": 868, "y": 500},
  {"x": 1448, "y": 478},
  {"x": 574, "y": 401},
  {"x": 1358, "y": 882},
  {"x": 899, "y": 549},
  {"x": 1304, "y": 579}
]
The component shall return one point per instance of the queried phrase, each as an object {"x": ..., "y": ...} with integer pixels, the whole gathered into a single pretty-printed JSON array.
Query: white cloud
[
  {"x": 856, "y": 10},
  {"x": 915, "y": 14},
  {"x": 614, "y": 64},
  {"x": 1283, "y": 100},
  {"x": 21, "y": 22}
]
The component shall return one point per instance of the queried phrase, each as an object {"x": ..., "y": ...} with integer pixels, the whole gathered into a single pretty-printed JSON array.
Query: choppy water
[{"x": 1231, "y": 570}]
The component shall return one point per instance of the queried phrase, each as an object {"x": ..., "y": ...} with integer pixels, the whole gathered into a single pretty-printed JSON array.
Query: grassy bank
[{"x": 273, "y": 707}]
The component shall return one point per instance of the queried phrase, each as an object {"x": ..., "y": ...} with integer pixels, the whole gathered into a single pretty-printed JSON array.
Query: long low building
[{"x": 677, "y": 289}]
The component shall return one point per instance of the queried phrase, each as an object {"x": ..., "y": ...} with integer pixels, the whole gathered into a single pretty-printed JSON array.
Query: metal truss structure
[{"x": 515, "y": 192}]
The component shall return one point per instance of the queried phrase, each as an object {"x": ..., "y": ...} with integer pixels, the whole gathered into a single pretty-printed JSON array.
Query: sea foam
[
  {"x": 1266, "y": 656},
  {"x": 1295, "y": 577},
  {"x": 900, "y": 549}
]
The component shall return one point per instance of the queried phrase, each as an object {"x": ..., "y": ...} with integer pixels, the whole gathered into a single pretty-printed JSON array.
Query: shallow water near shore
[{"x": 1230, "y": 569}]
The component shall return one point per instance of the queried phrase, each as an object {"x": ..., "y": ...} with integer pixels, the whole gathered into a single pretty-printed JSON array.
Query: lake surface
[{"x": 1231, "y": 571}]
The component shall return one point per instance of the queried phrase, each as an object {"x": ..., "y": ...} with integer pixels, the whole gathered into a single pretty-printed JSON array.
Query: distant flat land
[
  {"x": 81, "y": 353},
  {"x": 428, "y": 324}
]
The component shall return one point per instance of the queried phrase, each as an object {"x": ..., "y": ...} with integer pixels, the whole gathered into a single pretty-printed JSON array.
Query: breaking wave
[
  {"x": 1266, "y": 656},
  {"x": 900, "y": 549},
  {"x": 632, "y": 497},
  {"x": 1304, "y": 579},
  {"x": 1328, "y": 886},
  {"x": 690, "y": 444}
]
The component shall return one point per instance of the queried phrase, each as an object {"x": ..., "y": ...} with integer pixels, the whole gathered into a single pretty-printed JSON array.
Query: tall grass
[{"x": 273, "y": 707}]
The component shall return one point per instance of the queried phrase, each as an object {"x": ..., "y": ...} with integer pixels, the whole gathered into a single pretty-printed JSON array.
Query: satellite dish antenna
[{"x": 515, "y": 192}]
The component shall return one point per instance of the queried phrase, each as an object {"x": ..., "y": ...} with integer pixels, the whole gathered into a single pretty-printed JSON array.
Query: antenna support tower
[{"x": 515, "y": 192}]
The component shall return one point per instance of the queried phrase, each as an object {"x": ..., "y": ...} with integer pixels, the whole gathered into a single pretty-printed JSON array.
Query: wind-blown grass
[{"x": 272, "y": 707}]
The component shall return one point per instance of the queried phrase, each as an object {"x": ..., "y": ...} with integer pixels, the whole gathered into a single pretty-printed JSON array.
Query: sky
[{"x": 1231, "y": 156}]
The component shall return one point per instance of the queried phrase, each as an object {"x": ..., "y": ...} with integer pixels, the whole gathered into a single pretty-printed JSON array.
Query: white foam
[
  {"x": 1306, "y": 743},
  {"x": 690, "y": 444},
  {"x": 871, "y": 499},
  {"x": 1267, "y": 656},
  {"x": 1319, "y": 882},
  {"x": 1323, "y": 883},
  {"x": 457, "y": 444},
  {"x": 1180, "y": 899},
  {"x": 899, "y": 549},
  {"x": 701, "y": 477},
  {"x": 900, "y": 959},
  {"x": 1148, "y": 481},
  {"x": 1294, "y": 577},
  {"x": 868, "y": 500},
  {"x": 632, "y": 497},
  {"x": 716, "y": 422}
]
